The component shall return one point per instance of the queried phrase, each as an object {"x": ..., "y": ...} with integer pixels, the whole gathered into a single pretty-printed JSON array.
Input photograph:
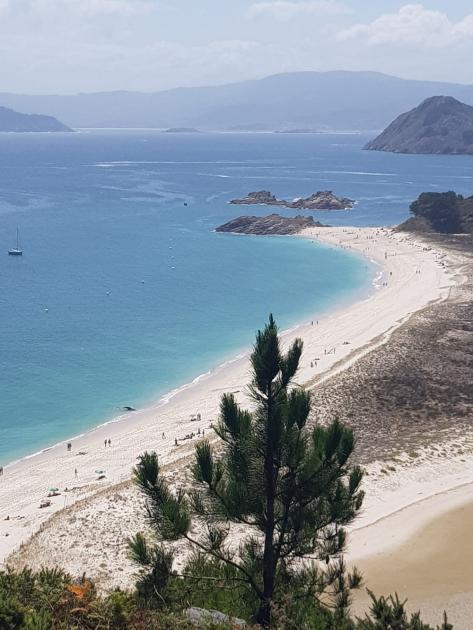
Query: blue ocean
[{"x": 125, "y": 291}]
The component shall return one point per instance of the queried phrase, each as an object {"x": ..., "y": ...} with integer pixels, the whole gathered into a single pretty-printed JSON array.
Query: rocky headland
[
  {"x": 12, "y": 121},
  {"x": 442, "y": 213},
  {"x": 273, "y": 224},
  {"x": 439, "y": 125},
  {"x": 321, "y": 200}
]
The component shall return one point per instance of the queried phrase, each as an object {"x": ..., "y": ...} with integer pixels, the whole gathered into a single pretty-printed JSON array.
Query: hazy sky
[{"x": 66, "y": 46}]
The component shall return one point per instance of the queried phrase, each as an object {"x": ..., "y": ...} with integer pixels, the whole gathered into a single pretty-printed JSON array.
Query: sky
[{"x": 70, "y": 46}]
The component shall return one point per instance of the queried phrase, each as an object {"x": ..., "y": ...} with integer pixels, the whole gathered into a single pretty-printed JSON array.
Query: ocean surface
[{"x": 124, "y": 291}]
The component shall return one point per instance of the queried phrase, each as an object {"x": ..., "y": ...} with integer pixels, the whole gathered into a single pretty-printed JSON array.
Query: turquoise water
[{"x": 94, "y": 316}]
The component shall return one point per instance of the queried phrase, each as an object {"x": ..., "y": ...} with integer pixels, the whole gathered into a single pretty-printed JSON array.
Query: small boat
[{"x": 16, "y": 251}]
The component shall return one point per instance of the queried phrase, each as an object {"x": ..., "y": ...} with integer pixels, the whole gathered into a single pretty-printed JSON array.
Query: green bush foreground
[{"x": 52, "y": 600}]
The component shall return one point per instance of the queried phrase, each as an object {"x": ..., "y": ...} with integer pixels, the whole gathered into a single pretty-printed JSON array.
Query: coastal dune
[{"x": 411, "y": 276}]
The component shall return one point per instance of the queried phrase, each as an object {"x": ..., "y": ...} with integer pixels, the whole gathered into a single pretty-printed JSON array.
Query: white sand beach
[{"x": 413, "y": 275}]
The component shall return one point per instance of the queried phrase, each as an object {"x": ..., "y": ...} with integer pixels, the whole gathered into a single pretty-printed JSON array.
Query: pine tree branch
[
  {"x": 222, "y": 558},
  {"x": 213, "y": 579},
  {"x": 229, "y": 514}
]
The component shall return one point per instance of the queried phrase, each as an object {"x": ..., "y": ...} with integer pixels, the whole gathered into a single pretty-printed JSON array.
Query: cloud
[
  {"x": 109, "y": 7},
  {"x": 412, "y": 25},
  {"x": 284, "y": 11},
  {"x": 80, "y": 7}
]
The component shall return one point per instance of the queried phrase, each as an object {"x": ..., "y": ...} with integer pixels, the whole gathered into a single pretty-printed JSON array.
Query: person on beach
[
  {"x": 105, "y": 443},
  {"x": 163, "y": 436},
  {"x": 75, "y": 473},
  {"x": 175, "y": 442},
  {"x": 69, "y": 446},
  {"x": 1, "y": 471},
  {"x": 109, "y": 442}
]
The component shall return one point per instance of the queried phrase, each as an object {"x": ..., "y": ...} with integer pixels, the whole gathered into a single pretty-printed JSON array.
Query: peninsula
[
  {"x": 12, "y": 121},
  {"x": 271, "y": 224},
  {"x": 321, "y": 200},
  {"x": 439, "y": 125}
]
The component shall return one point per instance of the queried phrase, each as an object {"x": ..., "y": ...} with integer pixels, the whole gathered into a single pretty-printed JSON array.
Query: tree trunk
[{"x": 269, "y": 561}]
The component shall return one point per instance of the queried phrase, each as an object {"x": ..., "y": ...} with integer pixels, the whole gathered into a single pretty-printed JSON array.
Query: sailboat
[{"x": 16, "y": 251}]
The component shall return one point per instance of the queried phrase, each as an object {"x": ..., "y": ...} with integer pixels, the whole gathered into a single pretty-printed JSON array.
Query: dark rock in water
[
  {"x": 264, "y": 197},
  {"x": 439, "y": 125},
  {"x": 128, "y": 408},
  {"x": 446, "y": 213},
  {"x": 13, "y": 121},
  {"x": 271, "y": 224},
  {"x": 321, "y": 200}
]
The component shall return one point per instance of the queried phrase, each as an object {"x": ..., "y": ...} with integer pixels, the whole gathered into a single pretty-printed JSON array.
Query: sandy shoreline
[
  {"x": 416, "y": 275},
  {"x": 422, "y": 553}
]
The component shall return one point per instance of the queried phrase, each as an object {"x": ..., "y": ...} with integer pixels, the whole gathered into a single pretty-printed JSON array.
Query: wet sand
[{"x": 432, "y": 567}]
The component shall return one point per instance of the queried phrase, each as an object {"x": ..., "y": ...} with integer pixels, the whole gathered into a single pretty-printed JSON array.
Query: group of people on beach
[{"x": 189, "y": 436}]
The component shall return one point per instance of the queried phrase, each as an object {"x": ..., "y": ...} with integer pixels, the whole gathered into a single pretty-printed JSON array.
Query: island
[
  {"x": 439, "y": 125},
  {"x": 271, "y": 224},
  {"x": 444, "y": 213},
  {"x": 181, "y": 130},
  {"x": 321, "y": 200},
  {"x": 12, "y": 121}
]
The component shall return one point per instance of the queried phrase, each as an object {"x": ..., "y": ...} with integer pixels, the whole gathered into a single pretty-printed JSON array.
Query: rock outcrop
[
  {"x": 321, "y": 200},
  {"x": 271, "y": 224},
  {"x": 439, "y": 125}
]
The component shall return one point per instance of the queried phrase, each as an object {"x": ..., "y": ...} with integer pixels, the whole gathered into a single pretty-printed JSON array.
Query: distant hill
[
  {"x": 14, "y": 121},
  {"x": 316, "y": 101},
  {"x": 446, "y": 212},
  {"x": 440, "y": 124}
]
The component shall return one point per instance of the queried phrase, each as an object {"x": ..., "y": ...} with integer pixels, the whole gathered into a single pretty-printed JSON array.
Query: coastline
[
  {"x": 156, "y": 394},
  {"x": 363, "y": 322}
]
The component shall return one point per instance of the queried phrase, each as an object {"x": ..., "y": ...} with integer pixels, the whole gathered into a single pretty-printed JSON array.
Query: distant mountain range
[
  {"x": 440, "y": 124},
  {"x": 321, "y": 101},
  {"x": 13, "y": 121}
]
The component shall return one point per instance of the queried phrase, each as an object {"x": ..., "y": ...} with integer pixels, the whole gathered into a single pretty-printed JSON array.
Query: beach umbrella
[
  {"x": 53, "y": 490},
  {"x": 99, "y": 472}
]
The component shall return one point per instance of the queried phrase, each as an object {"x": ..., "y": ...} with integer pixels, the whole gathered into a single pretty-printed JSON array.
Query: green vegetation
[
  {"x": 447, "y": 213},
  {"x": 291, "y": 486},
  {"x": 50, "y": 600},
  {"x": 283, "y": 489}
]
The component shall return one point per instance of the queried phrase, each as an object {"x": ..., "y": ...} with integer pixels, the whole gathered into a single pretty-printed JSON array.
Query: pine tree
[
  {"x": 291, "y": 485},
  {"x": 390, "y": 614}
]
